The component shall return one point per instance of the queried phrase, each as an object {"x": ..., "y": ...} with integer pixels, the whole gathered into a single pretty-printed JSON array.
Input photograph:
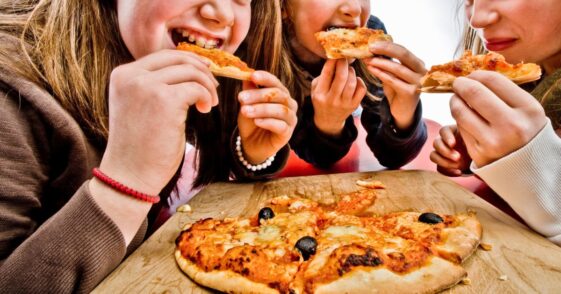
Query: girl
[
  {"x": 97, "y": 83},
  {"x": 507, "y": 134},
  {"x": 329, "y": 91}
]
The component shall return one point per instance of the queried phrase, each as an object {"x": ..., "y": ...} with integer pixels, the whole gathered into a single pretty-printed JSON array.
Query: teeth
[
  {"x": 210, "y": 44},
  {"x": 198, "y": 39}
]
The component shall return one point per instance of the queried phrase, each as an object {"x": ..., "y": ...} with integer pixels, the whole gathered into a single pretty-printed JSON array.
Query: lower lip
[{"x": 499, "y": 46}]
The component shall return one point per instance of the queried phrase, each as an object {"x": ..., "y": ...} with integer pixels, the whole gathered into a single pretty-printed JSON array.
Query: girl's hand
[
  {"x": 495, "y": 117},
  {"x": 450, "y": 154},
  {"x": 401, "y": 80},
  {"x": 148, "y": 102},
  {"x": 336, "y": 93},
  {"x": 267, "y": 117}
]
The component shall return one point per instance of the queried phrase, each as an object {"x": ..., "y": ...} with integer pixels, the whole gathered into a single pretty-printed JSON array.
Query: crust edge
[{"x": 225, "y": 281}]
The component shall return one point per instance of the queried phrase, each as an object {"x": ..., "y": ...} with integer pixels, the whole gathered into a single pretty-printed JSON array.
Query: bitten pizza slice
[
  {"x": 441, "y": 77},
  {"x": 222, "y": 63},
  {"x": 350, "y": 43}
]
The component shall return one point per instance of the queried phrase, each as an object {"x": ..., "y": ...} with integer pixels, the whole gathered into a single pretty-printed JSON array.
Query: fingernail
[
  {"x": 456, "y": 155},
  {"x": 375, "y": 46},
  {"x": 243, "y": 97},
  {"x": 249, "y": 109}
]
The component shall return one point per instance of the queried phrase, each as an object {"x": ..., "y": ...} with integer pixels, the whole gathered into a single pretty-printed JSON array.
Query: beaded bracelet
[
  {"x": 124, "y": 189},
  {"x": 248, "y": 165}
]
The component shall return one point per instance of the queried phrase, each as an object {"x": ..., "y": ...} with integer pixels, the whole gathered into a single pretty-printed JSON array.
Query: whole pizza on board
[{"x": 296, "y": 245}]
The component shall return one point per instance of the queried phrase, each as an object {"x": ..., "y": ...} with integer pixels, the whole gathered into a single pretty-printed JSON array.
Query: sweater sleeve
[
  {"x": 392, "y": 148},
  {"x": 69, "y": 250},
  {"x": 528, "y": 180},
  {"x": 316, "y": 148}
]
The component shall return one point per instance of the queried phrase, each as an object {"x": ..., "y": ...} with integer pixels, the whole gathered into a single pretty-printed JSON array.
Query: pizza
[
  {"x": 441, "y": 77},
  {"x": 296, "y": 245},
  {"x": 222, "y": 63},
  {"x": 350, "y": 43}
]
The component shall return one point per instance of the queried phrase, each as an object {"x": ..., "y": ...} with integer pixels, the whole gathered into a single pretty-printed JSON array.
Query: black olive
[
  {"x": 307, "y": 246},
  {"x": 430, "y": 218},
  {"x": 265, "y": 213}
]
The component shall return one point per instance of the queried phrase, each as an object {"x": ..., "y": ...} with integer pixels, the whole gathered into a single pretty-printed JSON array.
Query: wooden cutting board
[{"x": 530, "y": 263}]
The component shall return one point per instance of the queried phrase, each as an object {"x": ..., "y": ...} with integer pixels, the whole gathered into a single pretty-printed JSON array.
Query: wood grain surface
[{"x": 530, "y": 263}]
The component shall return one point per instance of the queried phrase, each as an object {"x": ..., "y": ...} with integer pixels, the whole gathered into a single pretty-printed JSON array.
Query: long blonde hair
[{"x": 68, "y": 47}]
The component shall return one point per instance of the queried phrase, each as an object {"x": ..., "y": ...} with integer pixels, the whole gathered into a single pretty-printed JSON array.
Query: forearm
[
  {"x": 392, "y": 148},
  {"x": 71, "y": 252},
  {"x": 319, "y": 149},
  {"x": 528, "y": 180}
]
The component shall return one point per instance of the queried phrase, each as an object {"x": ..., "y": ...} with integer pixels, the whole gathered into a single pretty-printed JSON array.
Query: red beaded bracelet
[{"x": 124, "y": 189}]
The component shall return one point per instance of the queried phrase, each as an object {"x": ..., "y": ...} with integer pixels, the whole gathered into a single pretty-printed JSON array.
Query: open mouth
[
  {"x": 195, "y": 38},
  {"x": 334, "y": 27}
]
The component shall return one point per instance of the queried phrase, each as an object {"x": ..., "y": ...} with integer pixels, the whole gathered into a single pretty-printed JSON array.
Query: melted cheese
[{"x": 339, "y": 231}]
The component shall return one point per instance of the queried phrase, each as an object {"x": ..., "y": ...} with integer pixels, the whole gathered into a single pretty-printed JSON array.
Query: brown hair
[
  {"x": 212, "y": 132},
  {"x": 291, "y": 73},
  {"x": 68, "y": 47}
]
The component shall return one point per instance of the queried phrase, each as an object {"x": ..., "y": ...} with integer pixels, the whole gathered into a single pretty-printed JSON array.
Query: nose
[
  {"x": 481, "y": 14},
  {"x": 351, "y": 8},
  {"x": 220, "y": 13}
]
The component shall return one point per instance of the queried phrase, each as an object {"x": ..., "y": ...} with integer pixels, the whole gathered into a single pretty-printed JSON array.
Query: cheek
[{"x": 239, "y": 30}]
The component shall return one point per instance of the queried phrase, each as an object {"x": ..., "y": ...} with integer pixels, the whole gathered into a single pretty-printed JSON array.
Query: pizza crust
[
  {"x": 221, "y": 62},
  {"x": 463, "y": 240},
  {"x": 440, "y": 274},
  {"x": 225, "y": 281},
  {"x": 230, "y": 72}
]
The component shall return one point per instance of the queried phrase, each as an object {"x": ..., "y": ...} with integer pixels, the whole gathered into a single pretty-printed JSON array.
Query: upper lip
[
  {"x": 201, "y": 32},
  {"x": 344, "y": 25}
]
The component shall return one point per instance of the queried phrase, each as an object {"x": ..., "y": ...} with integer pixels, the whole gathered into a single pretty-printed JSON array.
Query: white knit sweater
[{"x": 529, "y": 179}]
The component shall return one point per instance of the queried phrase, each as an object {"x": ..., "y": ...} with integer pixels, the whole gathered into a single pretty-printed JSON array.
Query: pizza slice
[
  {"x": 222, "y": 63},
  {"x": 441, "y": 77},
  {"x": 350, "y": 43}
]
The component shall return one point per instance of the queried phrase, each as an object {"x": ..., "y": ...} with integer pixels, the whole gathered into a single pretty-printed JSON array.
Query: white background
[{"x": 431, "y": 29}]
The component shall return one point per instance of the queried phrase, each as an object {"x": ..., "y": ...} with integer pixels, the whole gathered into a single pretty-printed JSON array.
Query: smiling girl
[
  {"x": 511, "y": 138},
  {"x": 97, "y": 83},
  {"x": 329, "y": 91}
]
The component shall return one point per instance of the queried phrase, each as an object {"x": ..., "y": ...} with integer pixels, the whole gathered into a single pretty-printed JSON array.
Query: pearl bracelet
[{"x": 248, "y": 165}]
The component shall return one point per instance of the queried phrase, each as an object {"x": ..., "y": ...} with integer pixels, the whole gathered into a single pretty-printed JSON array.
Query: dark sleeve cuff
[
  {"x": 346, "y": 138},
  {"x": 390, "y": 129},
  {"x": 241, "y": 173}
]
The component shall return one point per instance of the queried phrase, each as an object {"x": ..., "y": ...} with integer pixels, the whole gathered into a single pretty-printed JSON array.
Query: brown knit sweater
[{"x": 53, "y": 236}]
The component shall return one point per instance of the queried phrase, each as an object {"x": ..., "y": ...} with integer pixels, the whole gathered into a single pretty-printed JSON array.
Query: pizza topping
[
  {"x": 367, "y": 259},
  {"x": 441, "y": 77},
  {"x": 430, "y": 218},
  {"x": 307, "y": 246},
  {"x": 265, "y": 213}
]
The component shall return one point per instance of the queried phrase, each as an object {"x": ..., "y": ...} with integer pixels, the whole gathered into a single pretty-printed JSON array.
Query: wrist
[
  {"x": 132, "y": 177},
  {"x": 250, "y": 165},
  {"x": 333, "y": 129}
]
